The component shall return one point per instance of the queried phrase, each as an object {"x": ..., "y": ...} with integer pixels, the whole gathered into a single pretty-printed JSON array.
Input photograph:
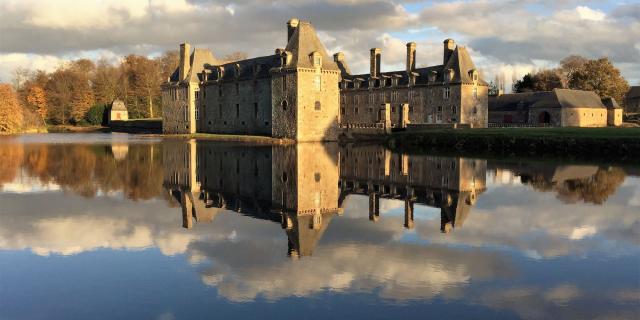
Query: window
[
  {"x": 317, "y": 106},
  {"x": 453, "y": 110},
  {"x": 317, "y": 61},
  {"x": 186, "y": 114},
  {"x": 284, "y": 105},
  {"x": 446, "y": 92},
  {"x": 343, "y": 110},
  {"x": 475, "y": 92},
  {"x": 317, "y": 176},
  {"x": 255, "y": 110},
  {"x": 317, "y": 82},
  {"x": 356, "y": 110},
  {"x": 284, "y": 83},
  {"x": 197, "y": 113},
  {"x": 197, "y": 94}
]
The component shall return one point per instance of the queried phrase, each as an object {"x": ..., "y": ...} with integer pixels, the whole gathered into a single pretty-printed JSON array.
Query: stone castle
[{"x": 303, "y": 94}]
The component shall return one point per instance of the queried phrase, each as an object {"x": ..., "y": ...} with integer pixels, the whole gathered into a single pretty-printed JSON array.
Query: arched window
[{"x": 284, "y": 105}]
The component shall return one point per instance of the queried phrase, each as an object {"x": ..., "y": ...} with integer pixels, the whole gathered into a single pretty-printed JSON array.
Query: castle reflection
[{"x": 304, "y": 186}]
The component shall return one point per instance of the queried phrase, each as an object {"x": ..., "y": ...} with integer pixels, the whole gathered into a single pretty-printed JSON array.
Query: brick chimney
[
  {"x": 292, "y": 25},
  {"x": 185, "y": 51},
  {"x": 376, "y": 55},
  {"x": 411, "y": 57}
]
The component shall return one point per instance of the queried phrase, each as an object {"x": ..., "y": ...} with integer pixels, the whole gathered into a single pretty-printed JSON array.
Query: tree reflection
[{"x": 87, "y": 170}]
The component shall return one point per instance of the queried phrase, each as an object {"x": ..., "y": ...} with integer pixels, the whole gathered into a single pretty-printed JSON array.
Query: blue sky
[{"x": 504, "y": 37}]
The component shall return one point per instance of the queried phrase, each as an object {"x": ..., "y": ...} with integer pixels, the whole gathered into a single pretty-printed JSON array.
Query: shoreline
[{"x": 618, "y": 144}]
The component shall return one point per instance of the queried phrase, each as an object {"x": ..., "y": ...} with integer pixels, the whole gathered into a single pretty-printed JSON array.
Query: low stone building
[
  {"x": 614, "y": 112},
  {"x": 118, "y": 111},
  {"x": 557, "y": 108},
  {"x": 632, "y": 99}
]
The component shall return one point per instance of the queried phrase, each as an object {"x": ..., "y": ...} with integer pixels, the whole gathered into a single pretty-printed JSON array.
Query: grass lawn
[{"x": 571, "y": 133}]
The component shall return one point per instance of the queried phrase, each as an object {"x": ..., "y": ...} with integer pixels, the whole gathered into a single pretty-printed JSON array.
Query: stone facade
[
  {"x": 557, "y": 108},
  {"x": 303, "y": 94},
  {"x": 449, "y": 93},
  {"x": 632, "y": 99}
]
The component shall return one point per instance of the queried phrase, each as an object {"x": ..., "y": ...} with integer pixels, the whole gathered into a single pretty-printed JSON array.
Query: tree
[
  {"x": 569, "y": 65},
  {"x": 37, "y": 100},
  {"x": 602, "y": 77},
  {"x": 524, "y": 85},
  {"x": 168, "y": 62},
  {"x": 10, "y": 110},
  {"x": 106, "y": 83},
  {"x": 544, "y": 80},
  {"x": 235, "y": 56},
  {"x": 144, "y": 78},
  {"x": 20, "y": 75}
]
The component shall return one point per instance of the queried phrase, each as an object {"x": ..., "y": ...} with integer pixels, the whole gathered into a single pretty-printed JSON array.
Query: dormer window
[
  {"x": 449, "y": 75},
  {"x": 316, "y": 59},
  {"x": 432, "y": 76},
  {"x": 237, "y": 70},
  {"x": 473, "y": 74}
]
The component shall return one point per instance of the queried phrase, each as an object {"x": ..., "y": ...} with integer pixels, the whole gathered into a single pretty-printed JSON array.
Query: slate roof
[
  {"x": 247, "y": 68},
  {"x": 558, "y": 98},
  {"x": 611, "y": 103},
  {"x": 460, "y": 61},
  {"x": 197, "y": 62},
  {"x": 634, "y": 92},
  {"x": 305, "y": 41}
]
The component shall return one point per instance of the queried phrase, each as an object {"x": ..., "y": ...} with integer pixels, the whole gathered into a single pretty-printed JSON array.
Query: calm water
[{"x": 117, "y": 226}]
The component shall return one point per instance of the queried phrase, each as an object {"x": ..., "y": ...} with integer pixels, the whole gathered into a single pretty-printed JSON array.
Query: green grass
[{"x": 591, "y": 133}]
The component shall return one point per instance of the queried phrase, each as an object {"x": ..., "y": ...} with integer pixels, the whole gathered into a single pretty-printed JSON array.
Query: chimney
[
  {"x": 339, "y": 59},
  {"x": 449, "y": 46},
  {"x": 292, "y": 25},
  {"x": 185, "y": 51},
  {"x": 375, "y": 62},
  {"x": 411, "y": 57}
]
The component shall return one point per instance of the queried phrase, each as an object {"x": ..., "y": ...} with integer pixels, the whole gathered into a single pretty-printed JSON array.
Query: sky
[{"x": 504, "y": 36}]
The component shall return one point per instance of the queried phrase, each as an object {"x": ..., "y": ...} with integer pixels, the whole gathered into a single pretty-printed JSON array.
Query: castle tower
[{"x": 305, "y": 91}]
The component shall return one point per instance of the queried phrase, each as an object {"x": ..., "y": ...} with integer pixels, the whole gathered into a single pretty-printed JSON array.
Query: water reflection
[{"x": 272, "y": 222}]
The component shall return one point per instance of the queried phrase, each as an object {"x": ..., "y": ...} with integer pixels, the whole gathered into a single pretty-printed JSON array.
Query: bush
[{"x": 97, "y": 115}]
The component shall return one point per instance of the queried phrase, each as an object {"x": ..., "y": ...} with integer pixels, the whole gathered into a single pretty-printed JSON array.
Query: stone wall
[
  {"x": 178, "y": 109},
  {"x": 317, "y": 110},
  {"x": 236, "y": 107},
  {"x": 584, "y": 117},
  {"x": 284, "y": 102},
  {"x": 614, "y": 117},
  {"x": 427, "y": 104}
]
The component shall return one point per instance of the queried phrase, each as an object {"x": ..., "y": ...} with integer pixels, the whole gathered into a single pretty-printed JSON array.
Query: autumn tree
[
  {"x": 168, "y": 62},
  {"x": 235, "y": 56},
  {"x": 70, "y": 95},
  {"x": 144, "y": 78},
  {"x": 545, "y": 80},
  {"x": 10, "y": 110},
  {"x": 569, "y": 65},
  {"x": 106, "y": 82},
  {"x": 36, "y": 100},
  {"x": 602, "y": 77}
]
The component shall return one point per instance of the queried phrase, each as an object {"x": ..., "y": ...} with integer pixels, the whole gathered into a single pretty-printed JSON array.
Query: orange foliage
[{"x": 10, "y": 110}]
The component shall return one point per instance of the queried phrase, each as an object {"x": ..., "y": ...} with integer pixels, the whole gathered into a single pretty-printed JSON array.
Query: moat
[{"x": 97, "y": 226}]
